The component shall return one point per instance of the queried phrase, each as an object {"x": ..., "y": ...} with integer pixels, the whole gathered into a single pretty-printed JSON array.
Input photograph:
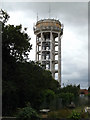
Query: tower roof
[
  {"x": 47, "y": 24},
  {"x": 48, "y": 21}
]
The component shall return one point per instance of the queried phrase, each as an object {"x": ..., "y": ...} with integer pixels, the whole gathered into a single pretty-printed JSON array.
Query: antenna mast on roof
[
  {"x": 49, "y": 10},
  {"x": 37, "y": 16}
]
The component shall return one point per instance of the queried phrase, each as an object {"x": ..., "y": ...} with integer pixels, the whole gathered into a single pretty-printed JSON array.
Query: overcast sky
[{"x": 74, "y": 43}]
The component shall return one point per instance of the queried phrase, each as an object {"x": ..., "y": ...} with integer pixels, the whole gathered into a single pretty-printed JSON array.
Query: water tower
[{"x": 48, "y": 45}]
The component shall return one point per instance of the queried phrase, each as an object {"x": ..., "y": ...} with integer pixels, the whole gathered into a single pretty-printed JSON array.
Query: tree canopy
[
  {"x": 22, "y": 81},
  {"x": 15, "y": 43}
]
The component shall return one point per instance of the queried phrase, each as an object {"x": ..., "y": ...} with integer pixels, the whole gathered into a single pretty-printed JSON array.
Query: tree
[
  {"x": 15, "y": 41},
  {"x": 67, "y": 98},
  {"x": 26, "y": 84},
  {"x": 70, "y": 89},
  {"x": 22, "y": 81},
  {"x": 3, "y": 16},
  {"x": 69, "y": 93},
  {"x": 48, "y": 96},
  {"x": 15, "y": 47}
]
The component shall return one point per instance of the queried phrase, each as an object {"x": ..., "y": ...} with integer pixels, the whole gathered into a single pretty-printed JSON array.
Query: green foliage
[
  {"x": 88, "y": 95},
  {"x": 22, "y": 81},
  {"x": 66, "y": 113},
  {"x": 27, "y": 113},
  {"x": 15, "y": 47},
  {"x": 75, "y": 115},
  {"x": 67, "y": 98},
  {"x": 25, "y": 81},
  {"x": 70, "y": 89},
  {"x": 48, "y": 96},
  {"x": 4, "y": 16},
  {"x": 69, "y": 93},
  {"x": 15, "y": 43}
]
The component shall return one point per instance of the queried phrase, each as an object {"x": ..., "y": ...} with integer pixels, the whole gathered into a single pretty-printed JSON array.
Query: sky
[{"x": 74, "y": 43}]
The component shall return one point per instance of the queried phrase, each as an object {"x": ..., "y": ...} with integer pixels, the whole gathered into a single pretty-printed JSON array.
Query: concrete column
[
  {"x": 41, "y": 46},
  {"x": 52, "y": 55},
  {"x": 59, "y": 58},
  {"x": 36, "y": 50},
  {"x": 51, "y": 51}
]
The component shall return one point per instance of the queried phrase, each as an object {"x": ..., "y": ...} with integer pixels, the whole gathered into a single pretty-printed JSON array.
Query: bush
[
  {"x": 49, "y": 95},
  {"x": 67, "y": 98},
  {"x": 75, "y": 115},
  {"x": 27, "y": 113}
]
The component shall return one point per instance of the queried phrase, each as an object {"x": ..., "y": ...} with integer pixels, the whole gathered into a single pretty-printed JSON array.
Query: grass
[
  {"x": 66, "y": 113},
  {"x": 62, "y": 113}
]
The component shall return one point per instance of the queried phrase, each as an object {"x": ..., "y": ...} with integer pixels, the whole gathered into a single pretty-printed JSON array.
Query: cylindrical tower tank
[{"x": 48, "y": 36}]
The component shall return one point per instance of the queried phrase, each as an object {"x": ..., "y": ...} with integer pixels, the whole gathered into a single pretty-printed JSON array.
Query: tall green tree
[
  {"x": 22, "y": 81},
  {"x": 15, "y": 47}
]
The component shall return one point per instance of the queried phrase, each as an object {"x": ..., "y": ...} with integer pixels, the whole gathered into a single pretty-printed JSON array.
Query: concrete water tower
[{"x": 48, "y": 45}]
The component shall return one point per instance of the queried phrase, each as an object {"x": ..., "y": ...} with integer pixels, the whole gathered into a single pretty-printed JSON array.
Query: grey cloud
[
  {"x": 76, "y": 10},
  {"x": 74, "y": 16}
]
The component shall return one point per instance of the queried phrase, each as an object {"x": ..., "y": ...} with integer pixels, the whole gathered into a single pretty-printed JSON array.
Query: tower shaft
[{"x": 48, "y": 45}]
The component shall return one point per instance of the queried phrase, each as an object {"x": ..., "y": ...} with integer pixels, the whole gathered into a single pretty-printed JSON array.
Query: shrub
[
  {"x": 27, "y": 113},
  {"x": 67, "y": 98},
  {"x": 75, "y": 115}
]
